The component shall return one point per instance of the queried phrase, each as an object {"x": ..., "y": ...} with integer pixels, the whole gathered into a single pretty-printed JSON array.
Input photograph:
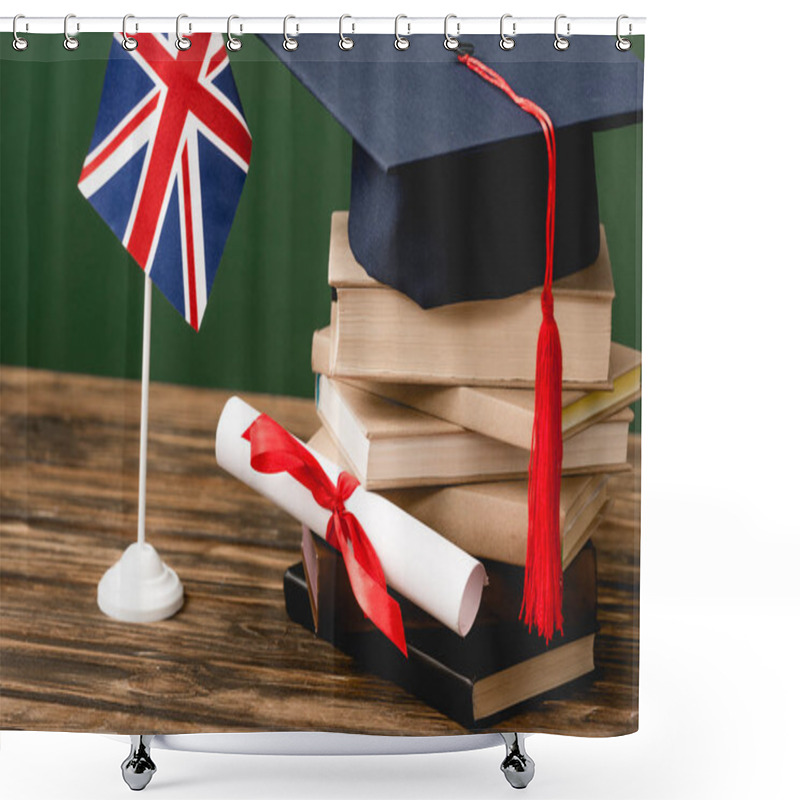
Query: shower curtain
[{"x": 393, "y": 466}]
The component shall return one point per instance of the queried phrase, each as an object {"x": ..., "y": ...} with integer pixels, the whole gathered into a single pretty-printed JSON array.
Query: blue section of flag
[
  {"x": 125, "y": 86},
  {"x": 218, "y": 184},
  {"x": 114, "y": 200},
  {"x": 163, "y": 273},
  {"x": 224, "y": 82}
]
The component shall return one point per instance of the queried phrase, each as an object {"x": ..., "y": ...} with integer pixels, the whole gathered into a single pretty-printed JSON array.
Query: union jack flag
[{"x": 168, "y": 159}]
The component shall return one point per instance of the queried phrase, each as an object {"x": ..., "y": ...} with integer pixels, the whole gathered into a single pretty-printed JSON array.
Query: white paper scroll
[{"x": 420, "y": 564}]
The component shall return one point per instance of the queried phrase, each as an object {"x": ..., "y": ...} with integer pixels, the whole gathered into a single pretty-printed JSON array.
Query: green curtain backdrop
[{"x": 71, "y": 297}]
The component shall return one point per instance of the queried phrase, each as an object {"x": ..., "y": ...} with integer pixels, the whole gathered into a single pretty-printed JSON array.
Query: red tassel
[
  {"x": 542, "y": 594},
  {"x": 541, "y": 599}
]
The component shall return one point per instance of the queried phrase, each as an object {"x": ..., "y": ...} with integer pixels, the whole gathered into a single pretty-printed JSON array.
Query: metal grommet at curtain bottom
[
  {"x": 507, "y": 42},
  {"x": 400, "y": 42},
  {"x": 128, "y": 42},
  {"x": 233, "y": 44},
  {"x": 289, "y": 43},
  {"x": 70, "y": 42},
  {"x": 560, "y": 42},
  {"x": 623, "y": 44},
  {"x": 451, "y": 42},
  {"x": 345, "y": 42},
  {"x": 18, "y": 43},
  {"x": 181, "y": 42}
]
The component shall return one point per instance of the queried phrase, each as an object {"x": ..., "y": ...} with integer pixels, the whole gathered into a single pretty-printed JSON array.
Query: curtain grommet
[
  {"x": 345, "y": 42},
  {"x": 129, "y": 43},
  {"x": 560, "y": 43},
  {"x": 181, "y": 42},
  {"x": 290, "y": 44},
  {"x": 233, "y": 44},
  {"x": 451, "y": 42},
  {"x": 70, "y": 42},
  {"x": 18, "y": 43},
  {"x": 401, "y": 42},
  {"x": 507, "y": 42},
  {"x": 622, "y": 44}
]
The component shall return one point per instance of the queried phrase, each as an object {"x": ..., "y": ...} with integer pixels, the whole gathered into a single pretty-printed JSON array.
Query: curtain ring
[
  {"x": 181, "y": 42},
  {"x": 70, "y": 42},
  {"x": 128, "y": 42},
  {"x": 19, "y": 44},
  {"x": 451, "y": 42},
  {"x": 622, "y": 43},
  {"x": 233, "y": 44},
  {"x": 345, "y": 42},
  {"x": 507, "y": 42},
  {"x": 289, "y": 43},
  {"x": 560, "y": 42},
  {"x": 400, "y": 42}
]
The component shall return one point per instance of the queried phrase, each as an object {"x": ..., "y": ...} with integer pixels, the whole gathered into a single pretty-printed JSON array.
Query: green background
[{"x": 71, "y": 297}]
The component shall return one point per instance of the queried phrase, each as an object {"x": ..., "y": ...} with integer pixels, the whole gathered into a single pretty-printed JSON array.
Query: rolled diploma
[{"x": 419, "y": 563}]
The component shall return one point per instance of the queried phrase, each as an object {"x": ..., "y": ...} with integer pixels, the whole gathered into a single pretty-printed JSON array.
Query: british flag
[{"x": 168, "y": 159}]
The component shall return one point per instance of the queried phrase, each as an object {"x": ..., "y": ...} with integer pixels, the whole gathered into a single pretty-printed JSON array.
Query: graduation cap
[
  {"x": 458, "y": 195},
  {"x": 449, "y": 178}
]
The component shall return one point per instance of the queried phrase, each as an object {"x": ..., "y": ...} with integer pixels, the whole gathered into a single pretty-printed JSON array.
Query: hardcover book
[
  {"x": 380, "y": 333},
  {"x": 503, "y": 414},
  {"x": 476, "y": 679},
  {"x": 387, "y": 445},
  {"x": 490, "y": 520}
]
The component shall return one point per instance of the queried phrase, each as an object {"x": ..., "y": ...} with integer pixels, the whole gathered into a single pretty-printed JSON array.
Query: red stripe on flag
[
  {"x": 162, "y": 158},
  {"x": 216, "y": 60},
  {"x": 187, "y": 214},
  {"x": 145, "y": 112}
]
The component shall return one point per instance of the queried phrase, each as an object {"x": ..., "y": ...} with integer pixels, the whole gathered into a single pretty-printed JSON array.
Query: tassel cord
[{"x": 542, "y": 594}]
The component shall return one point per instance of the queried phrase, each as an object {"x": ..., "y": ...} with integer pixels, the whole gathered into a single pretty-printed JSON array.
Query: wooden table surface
[{"x": 230, "y": 660}]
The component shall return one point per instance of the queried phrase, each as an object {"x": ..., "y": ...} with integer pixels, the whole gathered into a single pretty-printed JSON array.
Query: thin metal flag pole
[
  {"x": 146, "y": 325},
  {"x": 140, "y": 587}
]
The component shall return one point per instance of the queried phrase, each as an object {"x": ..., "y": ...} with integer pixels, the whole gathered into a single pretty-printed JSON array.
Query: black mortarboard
[{"x": 449, "y": 180}]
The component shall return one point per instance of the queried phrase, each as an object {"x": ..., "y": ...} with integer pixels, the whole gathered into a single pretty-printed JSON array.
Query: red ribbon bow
[{"x": 272, "y": 450}]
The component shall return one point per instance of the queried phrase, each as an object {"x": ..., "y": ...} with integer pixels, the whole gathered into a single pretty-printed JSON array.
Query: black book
[{"x": 474, "y": 679}]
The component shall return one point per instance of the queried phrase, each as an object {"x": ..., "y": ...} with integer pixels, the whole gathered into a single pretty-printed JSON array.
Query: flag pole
[
  {"x": 140, "y": 587},
  {"x": 146, "y": 325}
]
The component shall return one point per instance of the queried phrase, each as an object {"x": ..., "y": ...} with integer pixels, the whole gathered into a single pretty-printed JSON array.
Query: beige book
[
  {"x": 387, "y": 445},
  {"x": 504, "y": 414},
  {"x": 537, "y": 675},
  {"x": 381, "y": 334},
  {"x": 490, "y": 520}
]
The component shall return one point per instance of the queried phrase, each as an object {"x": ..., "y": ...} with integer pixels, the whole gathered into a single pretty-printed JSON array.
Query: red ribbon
[{"x": 273, "y": 450}]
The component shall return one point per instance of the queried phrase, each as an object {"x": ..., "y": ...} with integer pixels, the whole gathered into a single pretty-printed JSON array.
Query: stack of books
[{"x": 433, "y": 408}]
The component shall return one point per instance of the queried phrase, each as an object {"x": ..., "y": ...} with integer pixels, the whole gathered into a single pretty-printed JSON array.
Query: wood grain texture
[{"x": 231, "y": 660}]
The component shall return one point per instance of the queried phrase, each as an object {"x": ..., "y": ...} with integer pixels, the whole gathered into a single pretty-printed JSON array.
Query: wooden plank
[{"x": 231, "y": 660}]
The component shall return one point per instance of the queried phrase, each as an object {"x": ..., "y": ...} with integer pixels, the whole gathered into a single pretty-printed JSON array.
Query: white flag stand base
[{"x": 140, "y": 587}]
